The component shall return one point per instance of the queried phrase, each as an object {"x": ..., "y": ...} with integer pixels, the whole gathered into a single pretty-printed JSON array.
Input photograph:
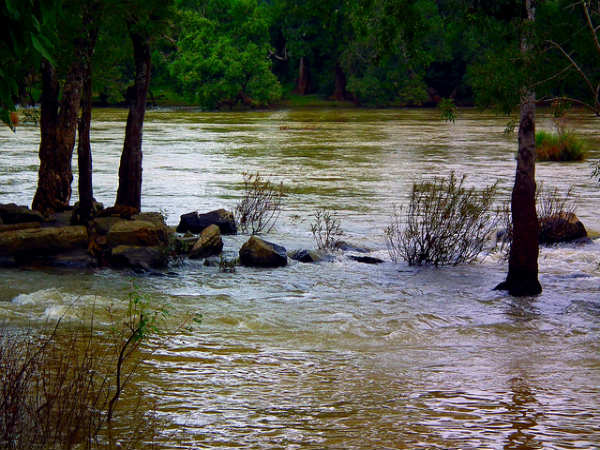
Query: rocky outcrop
[
  {"x": 310, "y": 256},
  {"x": 259, "y": 253},
  {"x": 137, "y": 233},
  {"x": 12, "y": 213},
  {"x": 209, "y": 243},
  {"x": 561, "y": 227},
  {"x": 139, "y": 257},
  {"x": 195, "y": 223},
  {"x": 34, "y": 242},
  {"x": 18, "y": 226}
]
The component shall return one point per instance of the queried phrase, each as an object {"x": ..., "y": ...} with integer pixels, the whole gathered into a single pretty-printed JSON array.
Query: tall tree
[{"x": 522, "y": 278}]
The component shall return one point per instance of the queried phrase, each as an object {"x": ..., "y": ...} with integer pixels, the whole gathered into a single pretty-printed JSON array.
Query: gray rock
[
  {"x": 195, "y": 222},
  {"x": 366, "y": 259},
  {"x": 209, "y": 243},
  {"x": 259, "y": 253}
]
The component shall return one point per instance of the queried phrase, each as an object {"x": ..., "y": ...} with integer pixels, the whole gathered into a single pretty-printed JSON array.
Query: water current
[{"x": 341, "y": 355}]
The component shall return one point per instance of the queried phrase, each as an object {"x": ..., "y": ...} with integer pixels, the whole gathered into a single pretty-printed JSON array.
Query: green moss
[{"x": 559, "y": 147}]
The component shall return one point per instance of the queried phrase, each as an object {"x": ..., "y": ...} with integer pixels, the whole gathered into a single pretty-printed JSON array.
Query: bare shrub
[
  {"x": 62, "y": 388},
  {"x": 260, "y": 206},
  {"x": 444, "y": 223},
  {"x": 326, "y": 229}
]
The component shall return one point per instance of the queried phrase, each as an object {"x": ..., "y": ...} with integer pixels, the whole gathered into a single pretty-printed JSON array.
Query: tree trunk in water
[
  {"x": 340, "y": 93},
  {"x": 302, "y": 84},
  {"x": 522, "y": 278},
  {"x": 58, "y": 130},
  {"x": 129, "y": 193}
]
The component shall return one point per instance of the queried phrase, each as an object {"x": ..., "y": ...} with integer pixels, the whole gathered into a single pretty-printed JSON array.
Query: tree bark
[
  {"x": 339, "y": 93},
  {"x": 522, "y": 278},
  {"x": 58, "y": 126},
  {"x": 302, "y": 85},
  {"x": 84, "y": 150},
  {"x": 129, "y": 193}
]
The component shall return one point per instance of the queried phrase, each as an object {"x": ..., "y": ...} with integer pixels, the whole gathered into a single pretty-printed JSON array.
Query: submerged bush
[
  {"x": 260, "y": 206},
  {"x": 563, "y": 146},
  {"x": 326, "y": 229},
  {"x": 444, "y": 223}
]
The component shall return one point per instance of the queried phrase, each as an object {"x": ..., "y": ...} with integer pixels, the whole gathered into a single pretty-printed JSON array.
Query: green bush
[
  {"x": 445, "y": 223},
  {"x": 559, "y": 147}
]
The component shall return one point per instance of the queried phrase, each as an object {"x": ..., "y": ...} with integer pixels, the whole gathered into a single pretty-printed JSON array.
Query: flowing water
[{"x": 341, "y": 354}]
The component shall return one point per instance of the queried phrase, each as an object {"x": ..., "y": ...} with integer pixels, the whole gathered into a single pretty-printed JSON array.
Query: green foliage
[
  {"x": 260, "y": 206},
  {"x": 326, "y": 229},
  {"x": 222, "y": 55},
  {"x": 565, "y": 146},
  {"x": 447, "y": 109},
  {"x": 444, "y": 223}
]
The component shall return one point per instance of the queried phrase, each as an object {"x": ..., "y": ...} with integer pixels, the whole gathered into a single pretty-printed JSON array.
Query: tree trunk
[
  {"x": 58, "y": 129},
  {"x": 339, "y": 93},
  {"x": 84, "y": 150},
  {"x": 522, "y": 278},
  {"x": 302, "y": 85},
  {"x": 129, "y": 193}
]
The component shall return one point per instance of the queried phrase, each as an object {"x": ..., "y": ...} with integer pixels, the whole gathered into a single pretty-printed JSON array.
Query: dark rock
[
  {"x": 139, "y": 257},
  {"x": 43, "y": 241},
  {"x": 561, "y": 227},
  {"x": 74, "y": 259},
  {"x": 346, "y": 247},
  {"x": 102, "y": 225},
  {"x": 12, "y": 213},
  {"x": 181, "y": 245},
  {"x": 209, "y": 243},
  {"x": 310, "y": 256},
  {"x": 259, "y": 253},
  {"x": 366, "y": 259},
  {"x": 97, "y": 208},
  {"x": 195, "y": 222},
  {"x": 122, "y": 211},
  {"x": 18, "y": 226}
]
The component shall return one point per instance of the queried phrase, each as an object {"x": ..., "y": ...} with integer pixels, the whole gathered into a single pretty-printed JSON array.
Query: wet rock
[
  {"x": 346, "y": 247},
  {"x": 195, "y": 222},
  {"x": 18, "y": 226},
  {"x": 310, "y": 256},
  {"x": 366, "y": 259},
  {"x": 561, "y": 227},
  {"x": 43, "y": 241},
  {"x": 181, "y": 245},
  {"x": 137, "y": 233},
  {"x": 209, "y": 243},
  {"x": 12, "y": 213},
  {"x": 74, "y": 259},
  {"x": 139, "y": 257},
  {"x": 151, "y": 216},
  {"x": 259, "y": 253}
]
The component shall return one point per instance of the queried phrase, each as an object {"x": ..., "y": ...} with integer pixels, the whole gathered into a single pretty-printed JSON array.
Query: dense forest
[{"x": 259, "y": 53}]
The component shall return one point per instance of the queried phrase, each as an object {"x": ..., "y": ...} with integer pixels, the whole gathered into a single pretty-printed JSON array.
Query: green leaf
[
  {"x": 12, "y": 9},
  {"x": 40, "y": 48}
]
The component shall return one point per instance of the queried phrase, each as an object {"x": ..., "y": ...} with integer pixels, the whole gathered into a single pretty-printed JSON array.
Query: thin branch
[
  {"x": 552, "y": 77},
  {"x": 573, "y": 63},
  {"x": 585, "y": 7},
  {"x": 593, "y": 109}
]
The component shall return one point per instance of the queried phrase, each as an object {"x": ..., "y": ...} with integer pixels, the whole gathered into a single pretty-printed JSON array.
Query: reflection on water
[{"x": 340, "y": 354}]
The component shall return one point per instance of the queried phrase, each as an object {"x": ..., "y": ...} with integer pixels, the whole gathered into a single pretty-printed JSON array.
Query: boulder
[
  {"x": 181, "y": 245},
  {"x": 102, "y": 225},
  {"x": 259, "y": 253},
  {"x": 18, "y": 226},
  {"x": 209, "y": 243},
  {"x": 139, "y": 257},
  {"x": 12, "y": 213},
  {"x": 366, "y": 259},
  {"x": 43, "y": 241},
  {"x": 561, "y": 227},
  {"x": 310, "y": 256},
  {"x": 137, "y": 233},
  {"x": 195, "y": 222},
  {"x": 151, "y": 216}
]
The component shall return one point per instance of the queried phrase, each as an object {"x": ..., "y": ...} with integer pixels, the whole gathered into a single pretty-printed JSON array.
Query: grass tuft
[{"x": 559, "y": 147}]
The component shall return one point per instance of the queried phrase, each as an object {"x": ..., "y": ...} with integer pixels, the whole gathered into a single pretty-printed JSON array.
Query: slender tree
[{"x": 522, "y": 278}]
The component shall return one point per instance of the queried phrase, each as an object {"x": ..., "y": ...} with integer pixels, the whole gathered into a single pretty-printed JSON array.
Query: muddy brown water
[{"x": 340, "y": 354}]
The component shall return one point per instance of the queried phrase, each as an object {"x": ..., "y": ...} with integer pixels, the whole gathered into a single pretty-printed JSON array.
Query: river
[{"x": 341, "y": 354}]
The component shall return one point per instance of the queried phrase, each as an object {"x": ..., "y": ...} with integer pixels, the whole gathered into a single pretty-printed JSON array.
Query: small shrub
[
  {"x": 559, "y": 147},
  {"x": 445, "y": 223},
  {"x": 260, "y": 206},
  {"x": 326, "y": 229}
]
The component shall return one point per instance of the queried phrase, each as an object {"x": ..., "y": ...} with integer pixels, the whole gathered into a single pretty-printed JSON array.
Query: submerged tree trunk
[
  {"x": 522, "y": 278},
  {"x": 302, "y": 85},
  {"x": 129, "y": 193},
  {"x": 58, "y": 129}
]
